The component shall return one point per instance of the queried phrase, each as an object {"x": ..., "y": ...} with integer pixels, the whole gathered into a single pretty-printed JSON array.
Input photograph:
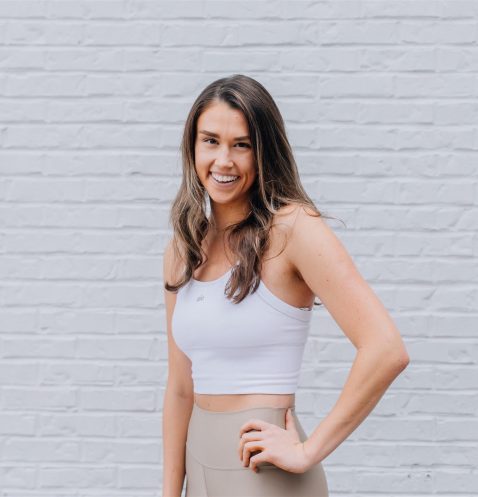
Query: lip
[
  {"x": 224, "y": 185},
  {"x": 223, "y": 174}
]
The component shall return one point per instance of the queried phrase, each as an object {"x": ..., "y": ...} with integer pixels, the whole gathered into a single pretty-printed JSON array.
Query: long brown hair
[{"x": 277, "y": 184}]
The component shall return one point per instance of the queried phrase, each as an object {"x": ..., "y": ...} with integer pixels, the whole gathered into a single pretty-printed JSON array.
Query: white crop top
[{"x": 255, "y": 346}]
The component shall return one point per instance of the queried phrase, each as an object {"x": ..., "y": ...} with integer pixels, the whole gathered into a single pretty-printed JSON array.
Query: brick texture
[{"x": 380, "y": 100}]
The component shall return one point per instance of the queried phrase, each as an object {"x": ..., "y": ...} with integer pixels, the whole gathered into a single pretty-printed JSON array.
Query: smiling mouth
[{"x": 223, "y": 182}]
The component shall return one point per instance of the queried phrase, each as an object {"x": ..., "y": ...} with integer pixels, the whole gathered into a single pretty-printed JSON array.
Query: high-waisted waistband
[{"x": 213, "y": 436}]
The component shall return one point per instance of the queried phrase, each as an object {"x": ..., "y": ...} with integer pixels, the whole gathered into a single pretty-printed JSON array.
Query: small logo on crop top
[{"x": 201, "y": 297}]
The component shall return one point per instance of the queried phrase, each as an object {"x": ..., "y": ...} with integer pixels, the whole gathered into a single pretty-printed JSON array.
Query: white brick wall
[{"x": 380, "y": 101}]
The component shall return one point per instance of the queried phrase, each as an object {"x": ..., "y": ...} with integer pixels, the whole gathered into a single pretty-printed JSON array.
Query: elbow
[
  {"x": 397, "y": 354},
  {"x": 397, "y": 358},
  {"x": 403, "y": 358},
  {"x": 400, "y": 360},
  {"x": 403, "y": 361}
]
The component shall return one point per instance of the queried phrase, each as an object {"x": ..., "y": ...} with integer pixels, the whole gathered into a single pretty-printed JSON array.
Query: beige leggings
[{"x": 213, "y": 467}]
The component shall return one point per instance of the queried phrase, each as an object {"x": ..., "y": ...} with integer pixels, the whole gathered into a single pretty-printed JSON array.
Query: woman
[{"x": 240, "y": 284}]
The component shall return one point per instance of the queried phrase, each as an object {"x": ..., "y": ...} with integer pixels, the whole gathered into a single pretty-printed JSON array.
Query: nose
[{"x": 223, "y": 158}]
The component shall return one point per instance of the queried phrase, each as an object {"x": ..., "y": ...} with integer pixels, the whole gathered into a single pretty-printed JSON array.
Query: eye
[{"x": 206, "y": 140}]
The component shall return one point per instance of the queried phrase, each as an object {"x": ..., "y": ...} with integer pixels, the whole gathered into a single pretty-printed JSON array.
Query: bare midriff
[{"x": 234, "y": 402}]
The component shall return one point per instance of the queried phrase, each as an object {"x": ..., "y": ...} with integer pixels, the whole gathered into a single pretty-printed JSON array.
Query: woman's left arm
[{"x": 328, "y": 270}]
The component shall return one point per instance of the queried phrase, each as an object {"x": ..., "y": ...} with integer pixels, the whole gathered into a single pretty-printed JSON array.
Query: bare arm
[
  {"x": 176, "y": 415},
  {"x": 178, "y": 398},
  {"x": 330, "y": 273},
  {"x": 373, "y": 370}
]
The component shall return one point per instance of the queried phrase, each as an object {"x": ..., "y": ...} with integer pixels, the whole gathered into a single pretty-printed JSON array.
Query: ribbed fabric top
[{"x": 255, "y": 346}]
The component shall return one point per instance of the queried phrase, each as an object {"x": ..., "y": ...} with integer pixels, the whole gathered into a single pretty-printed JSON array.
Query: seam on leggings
[
  {"x": 204, "y": 479},
  {"x": 242, "y": 410},
  {"x": 202, "y": 470}
]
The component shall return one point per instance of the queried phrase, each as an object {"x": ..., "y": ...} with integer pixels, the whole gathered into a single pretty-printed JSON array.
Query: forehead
[{"x": 221, "y": 118}]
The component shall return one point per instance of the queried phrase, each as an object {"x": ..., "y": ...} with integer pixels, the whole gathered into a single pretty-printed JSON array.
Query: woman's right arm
[{"x": 178, "y": 397}]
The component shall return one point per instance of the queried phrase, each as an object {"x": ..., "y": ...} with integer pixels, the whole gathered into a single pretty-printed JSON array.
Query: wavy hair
[{"x": 277, "y": 184}]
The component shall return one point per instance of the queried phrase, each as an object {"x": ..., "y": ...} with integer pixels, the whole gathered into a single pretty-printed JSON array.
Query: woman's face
[{"x": 223, "y": 153}]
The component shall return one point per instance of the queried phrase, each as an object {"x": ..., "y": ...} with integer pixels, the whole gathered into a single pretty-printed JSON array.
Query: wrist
[{"x": 309, "y": 455}]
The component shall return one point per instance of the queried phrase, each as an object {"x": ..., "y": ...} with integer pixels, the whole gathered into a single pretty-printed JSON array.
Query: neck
[{"x": 224, "y": 216}]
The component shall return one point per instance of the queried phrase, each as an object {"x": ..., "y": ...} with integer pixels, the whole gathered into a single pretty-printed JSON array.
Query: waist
[
  {"x": 213, "y": 437},
  {"x": 235, "y": 402}
]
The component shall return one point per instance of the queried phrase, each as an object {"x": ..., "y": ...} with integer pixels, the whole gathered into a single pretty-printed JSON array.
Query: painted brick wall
[{"x": 380, "y": 101}]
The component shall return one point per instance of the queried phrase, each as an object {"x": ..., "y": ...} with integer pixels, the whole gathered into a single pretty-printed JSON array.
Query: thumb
[{"x": 289, "y": 420}]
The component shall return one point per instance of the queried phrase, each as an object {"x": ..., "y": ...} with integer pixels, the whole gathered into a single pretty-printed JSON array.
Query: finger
[
  {"x": 253, "y": 424},
  {"x": 250, "y": 449},
  {"x": 250, "y": 436},
  {"x": 256, "y": 460},
  {"x": 290, "y": 421}
]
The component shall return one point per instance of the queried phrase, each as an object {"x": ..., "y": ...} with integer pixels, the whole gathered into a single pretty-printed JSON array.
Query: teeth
[{"x": 223, "y": 179}]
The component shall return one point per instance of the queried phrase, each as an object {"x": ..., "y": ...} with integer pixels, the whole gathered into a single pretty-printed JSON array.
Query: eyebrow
[{"x": 210, "y": 133}]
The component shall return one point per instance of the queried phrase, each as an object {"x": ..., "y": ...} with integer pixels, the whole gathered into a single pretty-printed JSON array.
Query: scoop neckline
[
  {"x": 266, "y": 294},
  {"x": 210, "y": 282}
]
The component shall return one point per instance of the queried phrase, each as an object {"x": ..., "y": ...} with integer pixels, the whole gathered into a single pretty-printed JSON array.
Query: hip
[{"x": 213, "y": 466}]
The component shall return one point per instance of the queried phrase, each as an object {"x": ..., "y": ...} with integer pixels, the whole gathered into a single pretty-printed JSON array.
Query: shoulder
[
  {"x": 311, "y": 228},
  {"x": 312, "y": 243},
  {"x": 286, "y": 215},
  {"x": 316, "y": 253},
  {"x": 291, "y": 228},
  {"x": 290, "y": 215}
]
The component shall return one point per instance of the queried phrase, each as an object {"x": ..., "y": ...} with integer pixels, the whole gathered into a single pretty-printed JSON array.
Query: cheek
[
  {"x": 200, "y": 173},
  {"x": 201, "y": 168},
  {"x": 252, "y": 176}
]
